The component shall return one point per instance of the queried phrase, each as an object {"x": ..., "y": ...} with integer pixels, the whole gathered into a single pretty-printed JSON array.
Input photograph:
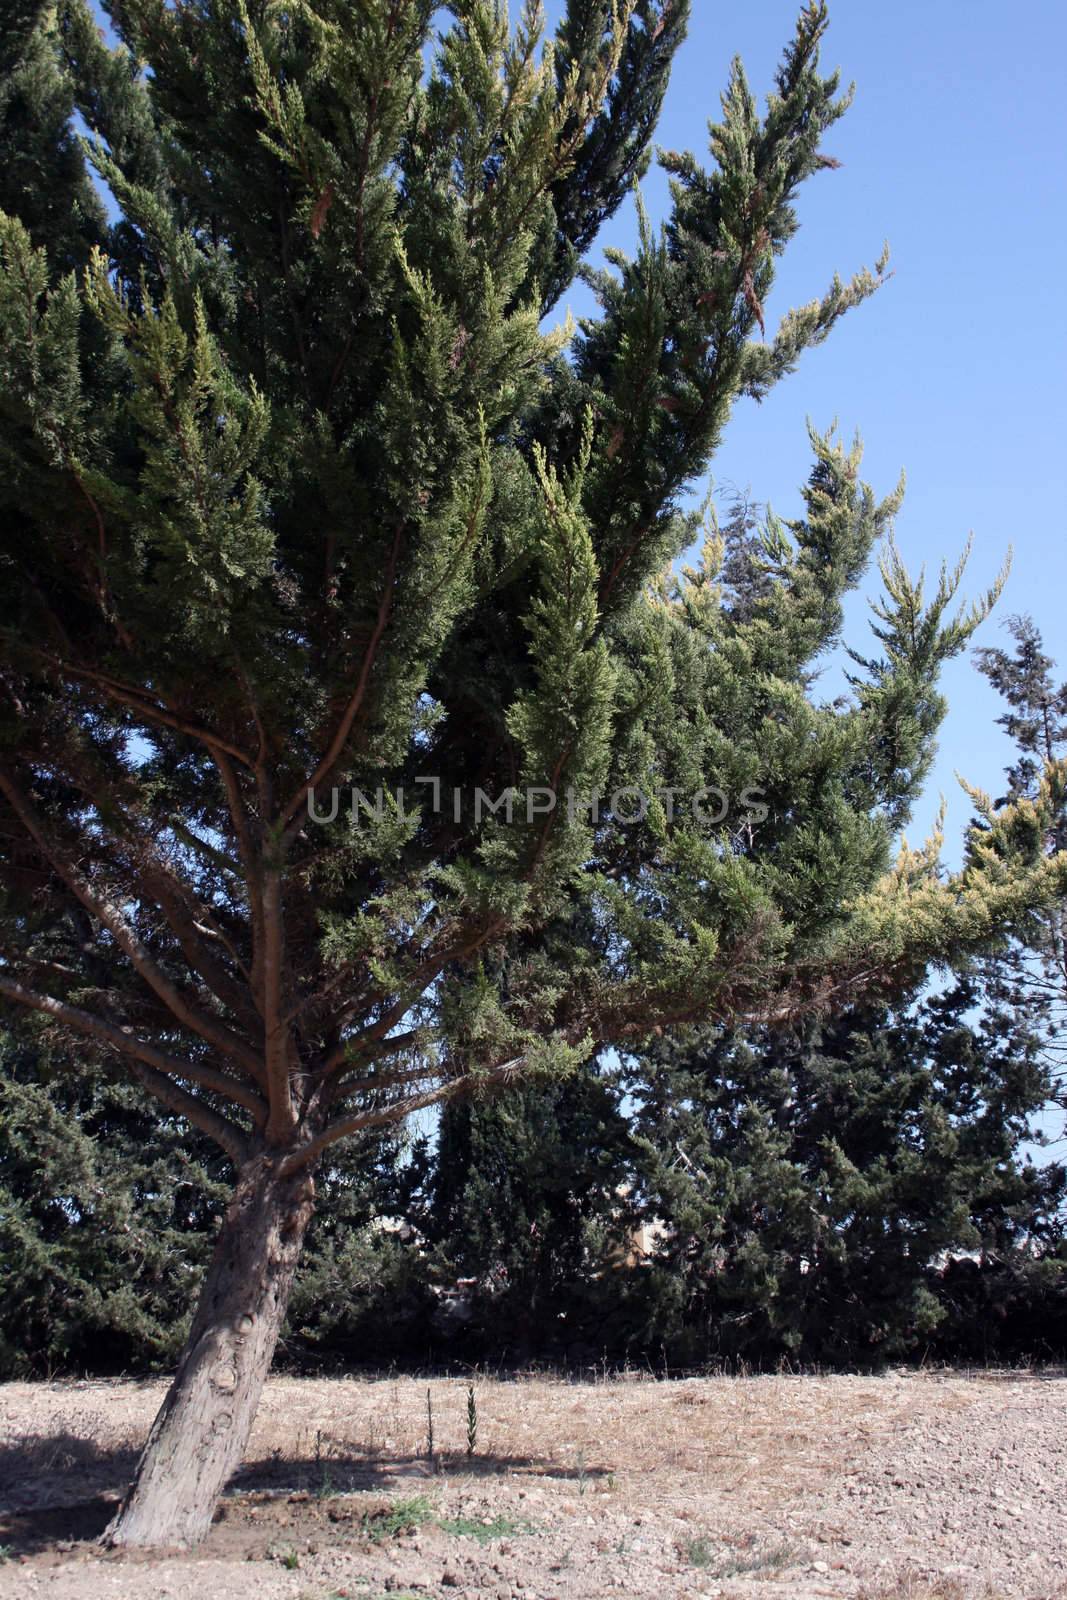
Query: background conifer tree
[
  {"x": 1031, "y": 960},
  {"x": 529, "y": 1205},
  {"x": 813, "y": 1185},
  {"x": 108, "y": 1215},
  {"x": 297, "y": 495},
  {"x": 44, "y": 181}
]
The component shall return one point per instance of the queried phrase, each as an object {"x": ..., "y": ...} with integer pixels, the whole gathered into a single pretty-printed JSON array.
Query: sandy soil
[{"x": 905, "y": 1487}]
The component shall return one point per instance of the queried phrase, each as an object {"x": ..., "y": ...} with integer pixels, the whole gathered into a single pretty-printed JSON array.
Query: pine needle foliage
[
  {"x": 1031, "y": 954},
  {"x": 105, "y": 1217},
  {"x": 852, "y": 1191},
  {"x": 300, "y": 495}
]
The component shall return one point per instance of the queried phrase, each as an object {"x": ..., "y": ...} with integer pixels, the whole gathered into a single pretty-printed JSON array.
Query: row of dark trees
[
  {"x": 850, "y": 1191},
  {"x": 849, "y": 1194}
]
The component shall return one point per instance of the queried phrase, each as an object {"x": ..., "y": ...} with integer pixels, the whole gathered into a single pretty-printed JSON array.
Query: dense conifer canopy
[{"x": 301, "y": 492}]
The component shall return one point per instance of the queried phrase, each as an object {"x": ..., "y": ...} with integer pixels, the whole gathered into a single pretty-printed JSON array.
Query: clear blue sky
[{"x": 954, "y": 152}]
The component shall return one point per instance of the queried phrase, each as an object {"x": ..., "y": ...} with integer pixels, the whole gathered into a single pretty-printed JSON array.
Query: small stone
[{"x": 820, "y": 1566}]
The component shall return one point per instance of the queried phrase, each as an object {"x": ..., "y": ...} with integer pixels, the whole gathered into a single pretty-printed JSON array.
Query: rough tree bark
[{"x": 199, "y": 1437}]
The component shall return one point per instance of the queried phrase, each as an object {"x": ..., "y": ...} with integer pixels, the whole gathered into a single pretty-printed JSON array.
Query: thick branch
[
  {"x": 209, "y": 1028},
  {"x": 396, "y": 1112},
  {"x": 175, "y": 1098},
  {"x": 291, "y": 817},
  {"x": 345, "y": 1088},
  {"x": 186, "y": 915},
  {"x": 349, "y": 1048},
  {"x": 190, "y": 918},
  {"x": 140, "y": 700},
  {"x": 155, "y": 1068}
]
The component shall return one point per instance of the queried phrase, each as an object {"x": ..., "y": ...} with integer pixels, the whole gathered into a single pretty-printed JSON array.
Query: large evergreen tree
[
  {"x": 812, "y": 1181},
  {"x": 298, "y": 495}
]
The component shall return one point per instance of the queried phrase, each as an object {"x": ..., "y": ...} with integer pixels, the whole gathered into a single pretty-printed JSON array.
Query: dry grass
[
  {"x": 918, "y": 1588},
  {"x": 914, "y": 1586},
  {"x": 760, "y": 1434},
  {"x": 774, "y": 1485},
  {"x": 633, "y": 1438}
]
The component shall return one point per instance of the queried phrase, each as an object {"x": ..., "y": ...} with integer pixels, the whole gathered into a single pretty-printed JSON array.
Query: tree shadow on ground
[
  {"x": 58, "y": 1487},
  {"x": 58, "y": 1490},
  {"x": 55, "y": 1528}
]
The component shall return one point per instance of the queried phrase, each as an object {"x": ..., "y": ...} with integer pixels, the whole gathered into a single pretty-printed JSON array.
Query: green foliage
[
  {"x": 1036, "y": 718},
  {"x": 699, "y": 1552},
  {"x": 483, "y": 1529},
  {"x": 44, "y": 181},
  {"x": 1028, "y": 825},
  {"x": 805, "y": 1193},
  {"x": 815, "y": 1185},
  {"x": 297, "y": 495},
  {"x": 363, "y": 1293},
  {"x": 526, "y": 1206},
  {"x": 105, "y": 1219},
  {"x": 396, "y": 1517},
  {"x": 845, "y": 1193}
]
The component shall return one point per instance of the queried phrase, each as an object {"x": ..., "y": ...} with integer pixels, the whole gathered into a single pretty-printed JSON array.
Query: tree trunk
[{"x": 199, "y": 1437}]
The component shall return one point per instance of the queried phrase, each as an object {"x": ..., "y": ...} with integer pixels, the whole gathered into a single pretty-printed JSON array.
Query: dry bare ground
[{"x": 926, "y": 1486}]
